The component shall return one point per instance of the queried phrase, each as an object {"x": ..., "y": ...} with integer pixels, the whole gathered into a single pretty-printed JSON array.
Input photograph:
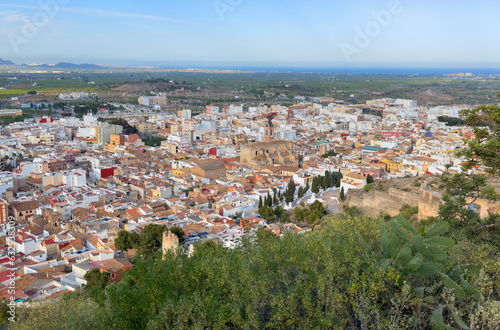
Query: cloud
[
  {"x": 98, "y": 12},
  {"x": 10, "y": 17}
]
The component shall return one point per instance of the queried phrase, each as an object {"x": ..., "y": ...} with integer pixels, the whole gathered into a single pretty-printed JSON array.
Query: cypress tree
[
  {"x": 340, "y": 176},
  {"x": 260, "y": 202},
  {"x": 342, "y": 194},
  {"x": 315, "y": 185}
]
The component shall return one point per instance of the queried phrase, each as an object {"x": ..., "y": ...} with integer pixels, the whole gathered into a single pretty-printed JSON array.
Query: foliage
[
  {"x": 127, "y": 128},
  {"x": 333, "y": 277},
  {"x": 330, "y": 153},
  {"x": 310, "y": 215},
  {"x": 340, "y": 176},
  {"x": 153, "y": 141},
  {"x": 315, "y": 185},
  {"x": 267, "y": 213},
  {"x": 148, "y": 241},
  {"x": 75, "y": 310},
  {"x": 342, "y": 194},
  {"x": 290, "y": 192},
  {"x": 408, "y": 211},
  {"x": 97, "y": 279},
  {"x": 451, "y": 121},
  {"x": 418, "y": 256},
  {"x": 485, "y": 146},
  {"x": 367, "y": 188}
]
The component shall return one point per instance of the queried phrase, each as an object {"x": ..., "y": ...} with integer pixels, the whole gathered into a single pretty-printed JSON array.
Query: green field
[{"x": 428, "y": 89}]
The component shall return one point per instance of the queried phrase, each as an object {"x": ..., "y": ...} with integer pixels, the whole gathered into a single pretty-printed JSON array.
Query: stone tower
[{"x": 170, "y": 242}]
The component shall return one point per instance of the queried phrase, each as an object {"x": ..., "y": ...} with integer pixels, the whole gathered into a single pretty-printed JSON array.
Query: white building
[{"x": 285, "y": 135}]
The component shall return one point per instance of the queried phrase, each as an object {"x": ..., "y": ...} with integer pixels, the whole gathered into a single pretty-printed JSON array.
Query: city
[{"x": 211, "y": 172}]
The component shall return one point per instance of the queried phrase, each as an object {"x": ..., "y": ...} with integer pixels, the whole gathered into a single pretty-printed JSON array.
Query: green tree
[
  {"x": 269, "y": 200},
  {"x": 126, "y": 241},
  {"x": 260, "y": 202},
  {"x": 367, "y": 188},
  {"x": 300, "y": 194},
  {"x": 339, "y": 178},
  {"x": 97, "y": 279},
  {"x": 327, "y": 180},
  {"x": 342, "y": 194},
  {"x": 151, "y": 238},
  {"x": 485, "y": 146},
  {"x": 290, "y": 192},
  {"x": 267, "y": 213},
  {"x": 315, "y": 185}
]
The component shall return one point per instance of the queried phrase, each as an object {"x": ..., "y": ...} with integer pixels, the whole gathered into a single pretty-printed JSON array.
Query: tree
[
  {"x": 367, "y": 188},
  {"x": 369, "y": 179},
  {"x": 327, "y": 180},
  {"x": 290, "y": 192},
  {"x": 318, "y": 208},
  {"x": 342, "y": 194},
  {"x": 300, "y": 194},
  {"x": 299, "y": 214},
  {"x": 267, "y": 213},
  {"x": 315, "y": 185},
  {"x": 275, "y": 198},
  {"x": 485, "y": 146},
  {"x": 151, "y": 238},
  {"x": 269, "y": 200},
  {"x": 97, "y": 279},
  {"x": 339, "y": 178},
  {"x": 312, "y": 218},
  {"x": 260, "y": 202},
  {"x": 126, "y": 241}
]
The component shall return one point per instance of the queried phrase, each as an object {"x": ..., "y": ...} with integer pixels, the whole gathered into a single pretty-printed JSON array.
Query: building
[
  {"x": 116, "y": 268},
  {"x": 213, "y": 169},
  {"x": 148, "y": 129},
  {"x": 22, "y": 210},
  {"x": 260, "y": 154},
  {"x": 285, "y": 135},
  {"x": 153, "y": 100},
  {"x": 185, "y": 114},
  {"x": 212, "y": 110},
  {"x": 4, "y": 212}
]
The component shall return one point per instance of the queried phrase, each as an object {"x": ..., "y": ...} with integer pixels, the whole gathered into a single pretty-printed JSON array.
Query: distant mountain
[
  {"x": 6, "y": 62},
  {"x": 65, "y": 65}
]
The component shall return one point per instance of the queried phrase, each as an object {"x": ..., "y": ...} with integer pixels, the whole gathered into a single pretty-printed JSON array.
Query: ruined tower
[{"x": 170, "y": 242}]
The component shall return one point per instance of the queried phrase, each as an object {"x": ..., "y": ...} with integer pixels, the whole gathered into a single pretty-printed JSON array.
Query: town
[{"x": 73, "y": 188}]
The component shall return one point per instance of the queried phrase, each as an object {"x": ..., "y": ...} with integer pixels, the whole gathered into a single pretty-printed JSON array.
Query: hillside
[{"x": 335, "y": 277}]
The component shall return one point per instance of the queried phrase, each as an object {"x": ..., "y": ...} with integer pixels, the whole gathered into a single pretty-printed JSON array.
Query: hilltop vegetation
[{"x": 339, "y": 276}]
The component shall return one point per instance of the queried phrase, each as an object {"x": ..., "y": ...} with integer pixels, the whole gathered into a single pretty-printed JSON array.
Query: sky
[{"x": 314, "y": 33}]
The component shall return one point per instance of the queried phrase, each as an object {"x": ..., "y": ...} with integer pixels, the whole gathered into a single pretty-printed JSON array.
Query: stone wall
[
  {"x": 429, "y": 202},
  {"x": 389, "y": 202}
]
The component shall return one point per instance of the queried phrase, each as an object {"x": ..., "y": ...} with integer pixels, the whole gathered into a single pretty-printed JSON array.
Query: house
[
  {"x": 22, "y": 210},
  {"x": 116, "y": 267},
  {"x": 212, "y": 169},
  {"x": 353, "y": 181}
]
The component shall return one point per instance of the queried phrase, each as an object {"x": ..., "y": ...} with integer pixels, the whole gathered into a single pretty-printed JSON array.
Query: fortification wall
[{"x": 428, "y": 205}]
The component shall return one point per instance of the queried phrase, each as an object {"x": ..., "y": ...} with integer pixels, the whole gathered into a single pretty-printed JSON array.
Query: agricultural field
[{"x": 354, "y": 88}]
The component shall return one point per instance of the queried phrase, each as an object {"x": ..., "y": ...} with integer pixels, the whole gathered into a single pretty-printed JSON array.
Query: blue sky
[{"x": 422, "y": 33}]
